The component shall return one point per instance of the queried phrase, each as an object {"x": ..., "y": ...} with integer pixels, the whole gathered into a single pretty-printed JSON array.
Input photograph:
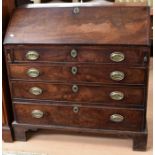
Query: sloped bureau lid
[{"x": 103, "y": 25}]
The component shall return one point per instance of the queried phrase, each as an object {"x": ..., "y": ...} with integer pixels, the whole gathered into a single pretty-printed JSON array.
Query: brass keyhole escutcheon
[
  {"x": 74, "y": 53},
  {"x": 74, "y": 70},
  {"x": 76, "y": 10},
  {"x": 75, "y": 109},
  {"x": 75, "y": 88}
]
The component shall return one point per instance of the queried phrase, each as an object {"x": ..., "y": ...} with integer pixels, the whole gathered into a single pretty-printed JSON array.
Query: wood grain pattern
[
  {"x": 95, "y": 32},
  {"x": 112, "y": 25},
  {"x": 87, "y": 117},
  {"x": 86, "y": 93},
  {"x": 85, "y": 54},
  {"x": 86, "y": 73}
]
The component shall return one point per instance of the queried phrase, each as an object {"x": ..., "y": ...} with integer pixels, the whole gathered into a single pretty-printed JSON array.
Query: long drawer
[
  {"x": 74, "y": 72},
  {"x": 99, "y": 54},
  {"x": 80, "y": 116},
  {"x": 78, "y": 93}
]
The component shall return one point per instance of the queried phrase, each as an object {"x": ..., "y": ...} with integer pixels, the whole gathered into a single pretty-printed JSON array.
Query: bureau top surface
[{"x": 103, "y": 25}]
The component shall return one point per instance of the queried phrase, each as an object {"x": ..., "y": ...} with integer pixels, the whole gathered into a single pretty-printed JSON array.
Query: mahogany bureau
[{"x": 80, "y": 68}]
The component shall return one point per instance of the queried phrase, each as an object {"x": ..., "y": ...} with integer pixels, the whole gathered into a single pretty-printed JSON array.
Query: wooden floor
[{"x": 59, "y": 144}]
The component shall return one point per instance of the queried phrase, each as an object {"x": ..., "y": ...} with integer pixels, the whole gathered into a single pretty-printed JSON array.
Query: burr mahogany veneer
[{"x": 80, "y": 68}]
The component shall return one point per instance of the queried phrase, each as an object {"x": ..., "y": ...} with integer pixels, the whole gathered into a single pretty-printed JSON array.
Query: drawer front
[
  {"x": 79, "y": 93},
  {"x": 99, "y": 54},
  {"x": 74, "y": 72},
  {"x": 80, "y": 116}
]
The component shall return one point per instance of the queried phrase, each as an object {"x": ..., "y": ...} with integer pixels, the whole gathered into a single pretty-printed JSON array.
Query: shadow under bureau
[{"x": 79, "y": 68}]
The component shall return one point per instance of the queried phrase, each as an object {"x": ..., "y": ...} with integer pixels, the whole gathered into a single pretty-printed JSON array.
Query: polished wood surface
[
  {"x": 87, "y": 117},
  {"x": 108, "y": 26},
  {"x": 87, "y": 54},
  {"x": 81, "y": 101},
  {"x": 8, "y": 7},
  {"x": 85, "y": 73},
  {"x": 90, "y": 94}
]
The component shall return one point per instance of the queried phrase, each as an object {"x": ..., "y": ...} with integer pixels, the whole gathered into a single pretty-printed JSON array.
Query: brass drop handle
[
  {"x": 74, "y": 70},
  {"x": 75, "y": 109},
  {"x": 35, "y": 91},
  {"x": 116, "y": 118},
  {"x": 37, "y": 114},
  {"x": 32, "y": 55},
  {"x": 117, "y": 56},
  {"x": 73, "y": 53},
  {"x": 116, "y": 95},
  {"x": 75, "y": 88},
  {"x": 33, "y": 72},
  {"x": 117, "y": 75}
]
